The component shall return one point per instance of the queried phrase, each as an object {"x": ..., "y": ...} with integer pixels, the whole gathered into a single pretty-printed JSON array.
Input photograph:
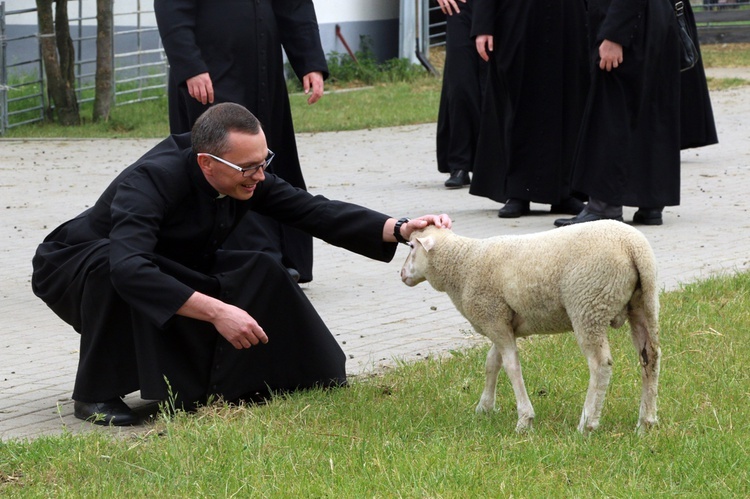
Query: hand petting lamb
[{"x": 584, "y": 278}]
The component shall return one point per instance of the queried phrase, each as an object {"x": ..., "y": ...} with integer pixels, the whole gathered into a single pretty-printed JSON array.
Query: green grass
[
  {"x": 412, "y": 431},
  {"x": 727, "y": 55},
  {"x": 372, "y": 107},
  {"x": 384, "y": 103}
]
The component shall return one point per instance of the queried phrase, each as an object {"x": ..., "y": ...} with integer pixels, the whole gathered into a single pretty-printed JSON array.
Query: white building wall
[
  {"x": 329, "y": 11},
  {"x": 343, "y": 11},
  {"x": 376, "y": 20}
]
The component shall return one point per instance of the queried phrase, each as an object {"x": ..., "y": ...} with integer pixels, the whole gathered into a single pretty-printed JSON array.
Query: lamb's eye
[{"x": 411, "y": 244}]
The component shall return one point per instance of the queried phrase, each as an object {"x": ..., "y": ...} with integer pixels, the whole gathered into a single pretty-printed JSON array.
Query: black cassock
[
  {"x": 639, "y": 115},
  {"x": 697, "y": 126},
  {"x": 239, "y": 43},
  {"x": 120, "y": 270},
  {"x": 464, "y": 77},
  {"x": 534, "y": 98}
]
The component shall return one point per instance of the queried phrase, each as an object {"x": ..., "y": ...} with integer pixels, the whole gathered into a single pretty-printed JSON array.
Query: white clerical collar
[{"x": 221, "y": 196}]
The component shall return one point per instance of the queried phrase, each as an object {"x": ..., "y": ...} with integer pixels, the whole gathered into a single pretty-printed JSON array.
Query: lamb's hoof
[
  {"x": 586, "y": 429},
  {"x": 484, "y": 409},
  {"x": 525, "y": 426},
  {"x": 645, "y": 426}
]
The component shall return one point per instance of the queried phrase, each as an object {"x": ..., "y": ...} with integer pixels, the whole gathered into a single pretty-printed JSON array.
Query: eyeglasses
[{"x": 246, "y": 172}]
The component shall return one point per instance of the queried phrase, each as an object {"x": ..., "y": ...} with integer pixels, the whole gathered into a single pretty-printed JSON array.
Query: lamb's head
[{"x": 416, "y": 266}]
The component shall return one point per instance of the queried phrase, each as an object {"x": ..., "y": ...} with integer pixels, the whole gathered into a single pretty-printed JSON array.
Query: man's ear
[{"x": 204, "y": 162}]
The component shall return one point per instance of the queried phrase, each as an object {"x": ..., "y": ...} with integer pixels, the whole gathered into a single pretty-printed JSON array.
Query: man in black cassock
[
  {"x": 158, "y": 304},
  {"x": 229, "y": 51},
  {"x": 464, "y": 76},
  {"x": 534, "y": 101},
  {"x": 641, "y": 111}
]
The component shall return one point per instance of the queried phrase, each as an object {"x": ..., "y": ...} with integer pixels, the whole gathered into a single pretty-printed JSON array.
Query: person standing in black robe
[
  {"x": 697, "y": 125},
  {"x": 634, "y": 124},
  {"x": 533, "y": 103},
  {"x": 161, "y": 308},
  {"x": 464, "y": 76},
  {"x": 228, "y": 51}
]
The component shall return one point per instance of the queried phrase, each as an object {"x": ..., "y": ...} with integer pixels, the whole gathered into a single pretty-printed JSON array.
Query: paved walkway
[{"x": 376, "y": 318}]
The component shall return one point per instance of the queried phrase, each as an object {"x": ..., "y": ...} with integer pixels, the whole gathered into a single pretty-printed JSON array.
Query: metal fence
[{"x": 140, "y": 66}]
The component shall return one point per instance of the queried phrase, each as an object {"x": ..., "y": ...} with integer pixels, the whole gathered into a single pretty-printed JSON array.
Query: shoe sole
[
  {"x": 512, "y": 215},
  {"x": 648, "y": 221},
  {"x": 568, "y": 224},
  {"x": 565, "y": 212}
]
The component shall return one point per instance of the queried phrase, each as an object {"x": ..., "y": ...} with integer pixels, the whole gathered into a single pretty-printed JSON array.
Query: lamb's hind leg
[
  {"x": 645, "y": 335},
  {"x": 595, "y": 346}
]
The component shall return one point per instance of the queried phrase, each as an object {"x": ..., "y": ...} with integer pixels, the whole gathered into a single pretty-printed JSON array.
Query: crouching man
[{"x": 158, "y": 304}]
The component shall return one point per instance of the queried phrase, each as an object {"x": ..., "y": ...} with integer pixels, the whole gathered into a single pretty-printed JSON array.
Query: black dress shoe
[
  {"x": 648, "y": 216},
  {"x": 514, "y": 208},
  {"x": 294, "y": 274},
  {"x": 582, "y": 217},
  {"x": 458, "y": 179},
  {"x": 113, "y": 412},
  {"x": 570, "y": 206}
]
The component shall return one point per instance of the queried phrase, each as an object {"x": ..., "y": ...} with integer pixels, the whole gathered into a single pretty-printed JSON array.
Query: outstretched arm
[{"x": 443, "y": 221}]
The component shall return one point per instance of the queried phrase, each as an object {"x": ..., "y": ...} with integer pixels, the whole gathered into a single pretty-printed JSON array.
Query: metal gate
[{"x": 140, "y": 65}]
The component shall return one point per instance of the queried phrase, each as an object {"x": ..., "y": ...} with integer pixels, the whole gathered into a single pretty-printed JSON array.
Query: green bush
[{"x": 366, "y": 70}]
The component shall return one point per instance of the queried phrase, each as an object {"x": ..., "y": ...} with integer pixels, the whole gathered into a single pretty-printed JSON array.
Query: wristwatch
[{"x": 397, "y": 230}]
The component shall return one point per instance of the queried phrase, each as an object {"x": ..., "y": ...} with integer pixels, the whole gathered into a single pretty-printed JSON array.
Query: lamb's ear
[{"x": 426, "y": 242}]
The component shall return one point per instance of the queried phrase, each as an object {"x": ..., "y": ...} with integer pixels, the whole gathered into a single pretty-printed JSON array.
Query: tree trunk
[
  {"x": 55, "y": 39},
  {"x": 104, "y": 91}
]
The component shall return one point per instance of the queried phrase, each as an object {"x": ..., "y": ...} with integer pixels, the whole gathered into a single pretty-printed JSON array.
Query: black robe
[
  {"x": 534, "y": 98},
  {"x": 697, "y": 126},
  {"x": 240, "y": 45},
  {"x": 119, "y": 272},
  {"x": 464, "y": 77},
  {"x": 629, "y": 146}
]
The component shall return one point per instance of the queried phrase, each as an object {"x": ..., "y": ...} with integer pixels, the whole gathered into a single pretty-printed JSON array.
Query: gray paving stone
[{"x": 377, "y": 319}]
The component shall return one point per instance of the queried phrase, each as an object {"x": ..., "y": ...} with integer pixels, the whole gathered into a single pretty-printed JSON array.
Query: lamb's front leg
[
  {"x": 491, "y": 368},
  {"x": 504, "y": 353},
  {"x": 512, "y": 364}
]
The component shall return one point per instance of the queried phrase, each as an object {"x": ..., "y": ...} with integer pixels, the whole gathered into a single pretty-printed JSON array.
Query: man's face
[{"x": 245, "y": 150}]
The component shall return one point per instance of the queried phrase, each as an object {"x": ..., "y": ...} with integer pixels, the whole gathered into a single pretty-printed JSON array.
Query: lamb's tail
[
  {"x": 648, "y": 298},
  {"x": 643, "y": 315}
]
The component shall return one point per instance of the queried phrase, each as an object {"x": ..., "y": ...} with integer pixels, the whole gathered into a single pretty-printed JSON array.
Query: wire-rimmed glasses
[{"x": 246, "y": 172}]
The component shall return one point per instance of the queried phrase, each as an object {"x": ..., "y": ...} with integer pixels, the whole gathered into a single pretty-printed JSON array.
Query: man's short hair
[{"x": 211, "y": 130}]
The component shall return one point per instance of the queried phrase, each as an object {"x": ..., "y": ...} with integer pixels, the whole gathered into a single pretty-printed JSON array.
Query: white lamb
[{"x": 583, "y": 278}]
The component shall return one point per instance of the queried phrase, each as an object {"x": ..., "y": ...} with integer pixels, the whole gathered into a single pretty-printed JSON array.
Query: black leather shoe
[
  {"x": 294, "y": 274},
  {"x": 582, "y": 217},
  {"x": 570, "y": 206},
  {"x": 648, "y": 216},
  {"x": 113, "y": 412},
  {"x": 458, "y": 179},
  {"x": 514, "y": 208}
]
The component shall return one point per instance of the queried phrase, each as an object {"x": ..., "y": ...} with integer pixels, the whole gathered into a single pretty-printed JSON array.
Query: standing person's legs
[{"x": 460, "y": 101}]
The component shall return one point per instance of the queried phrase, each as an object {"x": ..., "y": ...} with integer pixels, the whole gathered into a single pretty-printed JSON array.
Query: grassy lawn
[
  {"x": 412, "y": 432},
  {"x": 342, "y": 108}
]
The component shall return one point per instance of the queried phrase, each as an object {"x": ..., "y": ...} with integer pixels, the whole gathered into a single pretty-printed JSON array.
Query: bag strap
[{"x": 679, "y": 8}]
